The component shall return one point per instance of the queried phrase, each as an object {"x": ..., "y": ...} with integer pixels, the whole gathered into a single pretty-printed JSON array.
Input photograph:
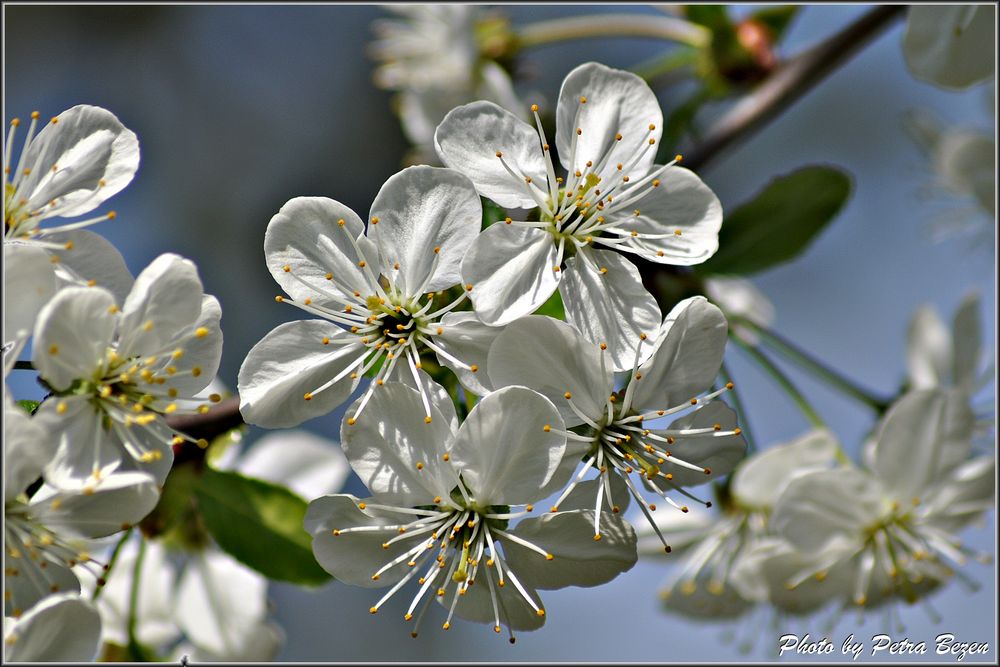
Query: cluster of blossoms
[{"x": 422, "y": 287}]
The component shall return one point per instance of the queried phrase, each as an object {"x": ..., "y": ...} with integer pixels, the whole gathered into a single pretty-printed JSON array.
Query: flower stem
[
  {"x": 799, "y": 356},
  {"x": 778, "y": 376},
  {"x": 111, "y": 563},
  {"x": 612, "y": 25},
  {"x": 741, "y": 412},
  {"x": 789, "y": 82},
  {"x": 135, "y": 648}
]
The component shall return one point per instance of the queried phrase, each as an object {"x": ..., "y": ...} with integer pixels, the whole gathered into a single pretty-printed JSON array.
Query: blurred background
[{"x": 240, "y": 108}]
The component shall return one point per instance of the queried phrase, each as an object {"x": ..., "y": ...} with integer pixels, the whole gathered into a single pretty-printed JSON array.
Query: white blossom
[
  {"x": 552, "y": 358},
  {"x": 951, "y": 46},
  {"x": 115, "y": 372},
  {"x": 61, "y": 628},
  {"x": 374, "y": 294},
  {"x": 608, "y": 123},
  {"x": 443, "y": 498}
]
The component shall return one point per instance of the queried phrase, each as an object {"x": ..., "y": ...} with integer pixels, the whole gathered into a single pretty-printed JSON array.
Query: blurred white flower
[
  {"x": 44, "y": 533},
  {"x": 607, "y": 125},
  {"x": 550, "y": 357},
  {"x": 438, "y": 58},
  {"x": 115, "y": 372},
  {"x": 61, "y": 628},
  {"x": 890, "y": 531},
  {"x": 728, "y": 563},
  {"x": 443, "y": 498},
  {"x": 374, "y": 293},
  {"x": 951, "y": 46},
  {"x": 738, "y": 298}
]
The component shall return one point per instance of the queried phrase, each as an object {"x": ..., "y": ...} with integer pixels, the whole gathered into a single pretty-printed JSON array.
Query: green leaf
[
  {"x": 679, "y": 122},
  {"x": 259, "y": 524},
  {"x": 553, "y": 307},
  {"x": 28, "y": 406},
  {"x": 777, "y": 18},
  {"x": 711, "y": 16},
  {"x": 492, "y": 212},
  {"x": 780, "y": 222}
]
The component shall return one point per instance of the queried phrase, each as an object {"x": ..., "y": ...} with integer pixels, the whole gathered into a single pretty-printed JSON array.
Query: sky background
[{"x": 240, "y": 108}]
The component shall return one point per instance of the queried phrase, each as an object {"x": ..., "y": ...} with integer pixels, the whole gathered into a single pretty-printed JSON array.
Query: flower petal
[
  {"x": 504, "y": 452},
  {"x": 515, "y": 612},
  {"x": 468, "y": 140},
  {"x": 759, "y": 481},
  {"x": 928, "y": 349},
  {"x": 950, "y": 46},
  {"x": 617, "y": 102},
  {"x": 82, "y": 444},
  {"x": 119, "y": 499},
  {"x": 427, "y": 218},
  {"x": 578, "y": 560},
  {"x": 80, "y": 159},
  {"x": 29, "y": 282},
  {"x": 25, "y": 450},
  {"x": 511, "y": 272},
  {"x": 201, "y": 348},
  {"x": 923, "y": 436},
  {"x": 825, "y": 505},
  {"x": 353, "y": 557},
  {"x": 584, "y": 496},
  {"x": 92, "y": 257},
  {"x": 717, "y": 453},
  {"x": 552, "y": 358},
  {"x": 966, "y": 344},
  {"x": 964, "y": 496},
  {"x": 289, "y": 362},
  {"x": 28, "y": 583},
  {"x": 688, "y": 354},
  {"x": 395, "y": 452},
  {"x": 61, "y": 628},
  {"x": 605, "y": 300},
  {"x": 466, "y": 338},
  {"x": 165, "y": 300},
  {"x": 72, "y": 335},
  {"x": 682, "y": 210},
  {"x": 309, "y": 465},
  {"x": 305, "y": 235}
]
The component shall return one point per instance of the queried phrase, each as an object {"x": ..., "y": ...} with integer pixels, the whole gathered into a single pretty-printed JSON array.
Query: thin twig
[{"x": 612, "y": 25}]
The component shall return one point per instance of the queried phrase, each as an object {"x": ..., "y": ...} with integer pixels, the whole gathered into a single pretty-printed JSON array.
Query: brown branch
[
  {"x": 220, "y": 418},
  {"x": 787, "y": 83}
]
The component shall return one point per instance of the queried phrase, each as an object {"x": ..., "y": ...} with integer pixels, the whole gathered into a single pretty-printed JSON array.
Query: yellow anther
[
  {"x": 373, "y": 610},
  {"x": 604, "y": 270},
  {"x": 656, "y": 182},
  {"x": 549, "y": 556},
  {"x": 195, "y": 371},
  {"x": 547, "y": 428},
  {"x": 567, "y": 395},
  {"x": 170, "y": 408},
  {"x": 307, "y": 396},
  {"x": 468, "y": 287},
  {"x": 446, "y": 457},
  {"x": 420, "y": 465},
  {"x": 428, "y": 420},
  {"x": 499, "y": 154},
  {"x": 53, "y": 350},
  {"x": 148, "y": 326},
  {"x": 597, "y": 538},
  {"x": 437, "y": 250},
  {"x": 329, "y": 276},
  {"x": 279, "y": 299},
  {"x": 507, "y": 220},
  {"x": 341, "y": 222},
  {"x": 375, "y": 219},
  {"x": 534, "y": 108},
  {"x": 286, "y": 268},
  {"x": 61, "y": 407},
  {"x": 351, "y": 421}
]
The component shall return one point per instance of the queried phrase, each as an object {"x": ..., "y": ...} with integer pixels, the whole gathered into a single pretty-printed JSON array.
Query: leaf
[
  {"x": 492, "y": 212},
  {"x": 553, "y": 307},
  {"x": 28, "y": 406},
  {"x": 780, "y": 222},
  {"x": 711, "y": 16},
  {"x": 259, "y": 524},
  {"x": 777, "y": 18}
]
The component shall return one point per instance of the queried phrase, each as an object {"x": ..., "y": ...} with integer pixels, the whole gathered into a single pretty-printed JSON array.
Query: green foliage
[
  {"x": 777, "y": 18},
  {"x": 553, "y": 307},
  {"x": 780, "y": 222},
  {"x": 492, "y": 212},
  {"x": 176, "y": 519},
  {"x": 259, "y": 524},
  {"x": 28, "y": 406}
]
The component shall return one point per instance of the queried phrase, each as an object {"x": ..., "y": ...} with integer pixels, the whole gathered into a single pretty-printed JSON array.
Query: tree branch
[{"x": 787, "y": 83}]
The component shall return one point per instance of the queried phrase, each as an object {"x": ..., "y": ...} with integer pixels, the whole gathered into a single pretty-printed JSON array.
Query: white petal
[
  {"x": 966, "y": 161},
  {"x": 92, "y": 257},
  {"x": 437, "y": 395},
  {"x": 353, "y": 557},
  {"x": 966, "y": 344},
  {"x": 551, "y": 357},
  {"x": 688, "y": 354},
  {"x": 76, "y": 429},
  {"x": 515, "y": 612},
  {"x": 25, "y": 451},
  {"x": 505, "y": 454},
  {"x": 28, "y": 583},
  {"x": 951, "y": 46},
  {"x": 719, "y": 454},
  {"x": 72, "y": 335},
  {"x": 737, "y": 297},
  {"x": 681, "y": 203},
  {"x": 61, "y": 628},
  {"x": 121, "y": 498},
  {"x": 964, "y": 496},
  {"x": 95, "y": 156},
  {"x": 220, "y": 602},
  {"x": 578, "y": 560},
  {"x": 289, "y": 362},
  {"x": 605, "y": 300},
  {"x": 584, "y": 496},
  {"x": 201, "y": 346},
  {"x": 29, "y": 282},
  {"x": 165, "y": 300},
  {"x": 681, "y": 530},
  {"x": 617, "y": 102},
  {"x": 427, "y": 218},
  {"x": 823, "y": 505},
  {"x": 511, "y": 272},
  {"x": 468, "y": 140},
  {"x": 260, "y": 643},
  {"x": 305, "y": 235},
  {"x": 923, "y": 436},
  {"x": 759, "y": 480},
  {"x": 928, "y": 349},
  {"x": 395, "y": 452},
  {"x": 309, "y": 465},
  {"x": 466, "y": 338}
]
